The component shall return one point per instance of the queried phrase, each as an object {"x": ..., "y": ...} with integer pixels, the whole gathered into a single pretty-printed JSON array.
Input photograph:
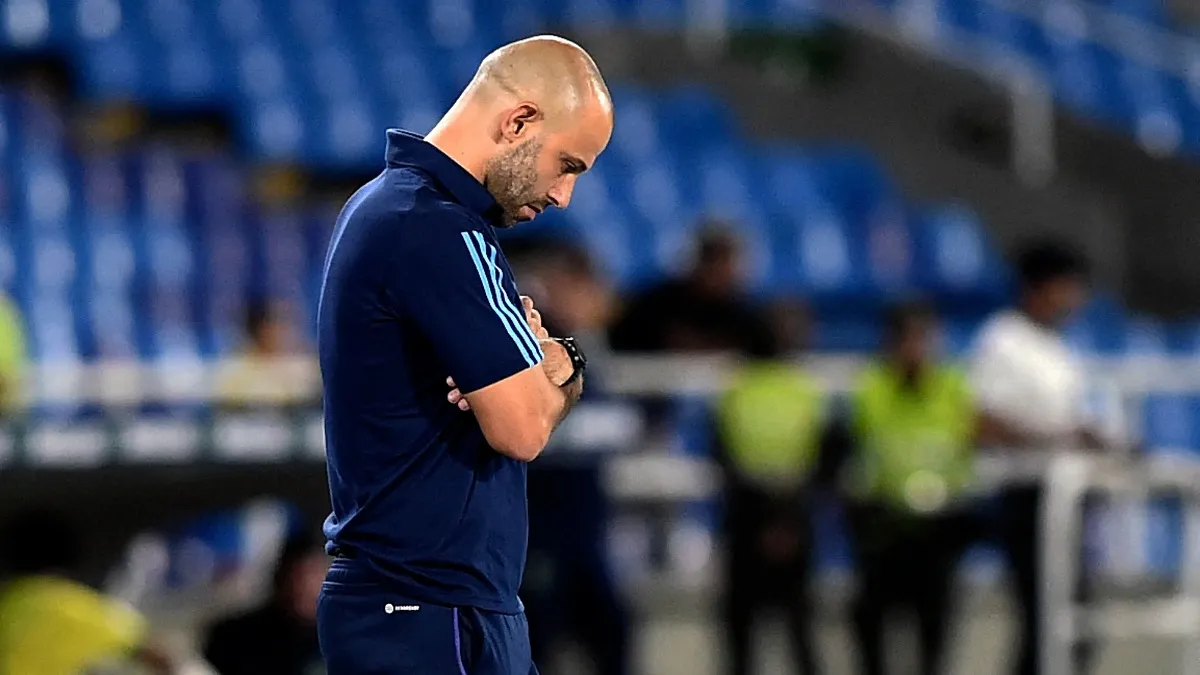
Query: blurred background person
[
  {"x": 12, "y": 356},
  {"x": 570, "y": 590},
  {"x": 706, "y": 309},
  {"x": 271, "y": 369},
  {"x": 280, "y": 636},
  {"x": 51, "y": 624},
  {"x": 913, "y": 426},
  {"x": 1032, "y": 391},
  {"x": 769, "y": 432}
]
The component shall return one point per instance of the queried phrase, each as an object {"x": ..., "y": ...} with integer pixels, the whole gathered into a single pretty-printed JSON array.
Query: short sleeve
[
  {"x": 990, "y": 377},
  {"x": 463, "y": 298}
]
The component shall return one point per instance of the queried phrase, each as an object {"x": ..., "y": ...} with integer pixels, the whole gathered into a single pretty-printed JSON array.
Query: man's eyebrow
[{"x": 574, "y": 164}]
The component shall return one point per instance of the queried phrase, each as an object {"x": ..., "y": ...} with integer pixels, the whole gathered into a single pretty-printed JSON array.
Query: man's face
[
  {"x": 1058, "y": 299},
  {"x": 914, "y": 345},
  {"x": 540, "y": 170}
]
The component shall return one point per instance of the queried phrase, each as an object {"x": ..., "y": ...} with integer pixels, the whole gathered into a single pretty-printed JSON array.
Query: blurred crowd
[{"x": 895, "y": 458}]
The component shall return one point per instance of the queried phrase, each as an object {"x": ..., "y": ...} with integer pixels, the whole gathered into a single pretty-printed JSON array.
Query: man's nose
[{"x": 560, "y": 194}]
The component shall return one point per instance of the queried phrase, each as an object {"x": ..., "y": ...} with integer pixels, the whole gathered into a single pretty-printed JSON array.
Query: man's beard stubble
[{"x": 511, "y": 178}]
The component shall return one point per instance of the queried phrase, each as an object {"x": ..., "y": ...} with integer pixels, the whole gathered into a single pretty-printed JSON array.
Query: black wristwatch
[{"x": 578, "y": 360}]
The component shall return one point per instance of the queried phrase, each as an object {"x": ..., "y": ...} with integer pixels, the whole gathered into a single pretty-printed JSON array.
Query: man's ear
[{"x": 518, "y": 121}]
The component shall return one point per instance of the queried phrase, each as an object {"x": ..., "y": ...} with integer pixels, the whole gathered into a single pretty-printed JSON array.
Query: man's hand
[
  {"x": 455, "y": 396},
  {"x": 534, "y": 318},
  {"x": 557, "y": 364}
]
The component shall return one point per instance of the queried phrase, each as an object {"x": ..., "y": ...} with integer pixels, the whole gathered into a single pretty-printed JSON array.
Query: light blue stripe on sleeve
[
  {"x": 531, "y": 357},
  {"x": 517, "y": 314}
]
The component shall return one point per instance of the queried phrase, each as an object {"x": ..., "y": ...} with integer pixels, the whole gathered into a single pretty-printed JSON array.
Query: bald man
[{"x": 440, "y": 381}]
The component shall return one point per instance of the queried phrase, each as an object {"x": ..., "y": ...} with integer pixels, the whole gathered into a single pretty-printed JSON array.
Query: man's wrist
[
  {"x": 575, "y": 358},
  {"x": 572, "y": 392}
]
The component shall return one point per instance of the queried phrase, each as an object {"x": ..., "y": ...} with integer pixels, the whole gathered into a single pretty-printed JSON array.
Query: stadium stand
[{"x": 167, "y": 247}]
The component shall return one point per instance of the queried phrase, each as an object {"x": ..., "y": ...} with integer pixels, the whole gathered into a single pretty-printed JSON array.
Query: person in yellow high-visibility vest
[
  {"x": 12, "y": 356},
  {"x": 51, "y": 624},
  {"x": 913, "y": 425},
  {"x": 769, "y": 425}
]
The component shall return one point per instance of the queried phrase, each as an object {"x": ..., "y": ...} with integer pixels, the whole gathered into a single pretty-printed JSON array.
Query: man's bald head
[
  {"x": 551, "y": 71},
  {"x": 536, "y": 115}
]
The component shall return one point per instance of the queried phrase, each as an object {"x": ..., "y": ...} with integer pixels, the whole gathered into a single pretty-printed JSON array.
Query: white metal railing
[
  {"x": 649, "y": 474},
  {"x": 125, "y": 383},
  {"x": 1068, "y": 481}
]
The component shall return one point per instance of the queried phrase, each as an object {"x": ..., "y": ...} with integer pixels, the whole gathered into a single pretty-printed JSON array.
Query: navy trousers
[{"x": 366, "y": 630}]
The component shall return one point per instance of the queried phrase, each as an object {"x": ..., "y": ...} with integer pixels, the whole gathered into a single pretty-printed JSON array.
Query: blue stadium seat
[
  {"x": 793, "y": 14},
  {"x": 855, "y": 183},
  {"x": 637, "y": 137},
  {"x": 8, "y": 260},
  {"x": 654, "y": 14},
  {"x": 1086, "y": 337},
  {"x": 842, "y": 332},
  {"x": 603, "y": 221},
  {"x": 51, "y": 323},
  {"x": 792, "y": 182},
  {"x": 889, "y": 252},
  {"x": 111, "y": 267},
  {"x": 955, "y": 262},
  {"x": 958, "y": 335},
  {"x": 1183, "y": 338},
  {"x": 1013, "y": 31},
  {"x": 692, "y": 426},
  {"x": 345, "y": 135},
  {"x": 38, "y": 128},
  {"x": 961, "y": 15},
  {"x": 277, "y": 128},
  {"x": 717, "y": 180},
  {"x": 693, "y": 116},
  {"x": 1153, "y": 12},
  {"x": 1145, "y": 337},
  {"x": 1155, "y": 119},
  {"x": 263, "y": 72},
  {"x": 1078, "y": 83},
  {"x": 825, "y": 264},
  {"x": 655, "y": 193},
  {"x": 45, "y": 193},
  {"x": 1169, "y": 421}
]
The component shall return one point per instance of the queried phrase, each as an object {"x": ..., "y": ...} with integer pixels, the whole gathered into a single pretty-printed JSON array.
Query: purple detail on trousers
[{"x": 462, "y": 669}]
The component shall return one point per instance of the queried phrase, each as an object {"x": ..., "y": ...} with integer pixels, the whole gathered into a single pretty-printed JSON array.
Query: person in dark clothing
[
  {"x": 914, "y": 432},
  {"x": 280, "y": 637},
  {"x": 706, "y": 310},
  {"x": 569, "y": 587},
  {"x": 769, "y": 434}
]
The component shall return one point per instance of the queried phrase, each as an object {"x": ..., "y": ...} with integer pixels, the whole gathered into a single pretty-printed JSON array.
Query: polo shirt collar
[{"x": 405, "y": 148}]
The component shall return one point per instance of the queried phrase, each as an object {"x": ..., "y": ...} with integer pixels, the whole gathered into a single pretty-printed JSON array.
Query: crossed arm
[{"x": 518, "y": 414}]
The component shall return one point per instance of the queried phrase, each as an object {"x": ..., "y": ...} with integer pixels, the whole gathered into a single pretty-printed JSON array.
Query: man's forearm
[{"x": 570, "y": 396}]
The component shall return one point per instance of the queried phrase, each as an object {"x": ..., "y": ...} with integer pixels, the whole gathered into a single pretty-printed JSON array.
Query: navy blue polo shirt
[{"x": 416, "y": 289}]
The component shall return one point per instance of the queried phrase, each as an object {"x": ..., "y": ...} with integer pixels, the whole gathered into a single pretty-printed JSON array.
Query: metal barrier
[{"x": 1069, "y": 479}]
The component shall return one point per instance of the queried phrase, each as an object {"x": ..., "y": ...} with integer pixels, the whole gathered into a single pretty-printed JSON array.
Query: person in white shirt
[{"x": 1031, "y": 391}]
